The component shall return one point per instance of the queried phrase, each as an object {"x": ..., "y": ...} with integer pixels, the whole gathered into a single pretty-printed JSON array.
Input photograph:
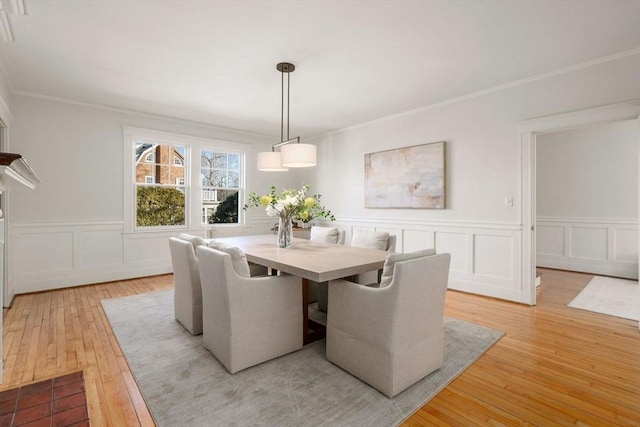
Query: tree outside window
[
  {"x": 160, "y": 189},
  {"x": 220, "y": 175}
]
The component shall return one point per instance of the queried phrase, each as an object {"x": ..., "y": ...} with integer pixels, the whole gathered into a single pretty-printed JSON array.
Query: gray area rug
[{"x": 184, "y": 384}]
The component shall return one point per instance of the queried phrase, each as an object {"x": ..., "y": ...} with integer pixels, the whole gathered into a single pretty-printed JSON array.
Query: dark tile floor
[{"x": 56, "y": 402}]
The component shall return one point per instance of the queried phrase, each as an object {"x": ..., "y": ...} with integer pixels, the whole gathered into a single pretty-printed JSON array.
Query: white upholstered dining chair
[
  {"x": 380, "y": 240},
  {"x": 188, "y": 290},
  {"x": 327, "y": 235},
  {"x": 187, "y": 305},
  {"x": 393, "y": 336},
  {"x": 255, "y": 269},
  {"x": 318, "y": 290},
  {"x": 247, "y": 321}
]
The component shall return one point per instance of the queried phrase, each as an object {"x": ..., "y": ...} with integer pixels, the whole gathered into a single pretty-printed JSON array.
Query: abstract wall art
[{"x": 409, "y": 177}]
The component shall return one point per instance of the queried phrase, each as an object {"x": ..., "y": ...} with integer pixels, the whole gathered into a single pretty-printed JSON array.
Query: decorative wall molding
[
  {"x": 167, "y": 119},
  {"x": 57, "y": 255},
  {"x": 606, "y": 246},
  {"x": 485, "y": 258},
  {"x": 18, "y": 7},
  {"x": 619, "y": 221},
  {"x": 66, "y": 225},
  {"x": 7, "y": 34},
  {"x": 572, "y": 68},
  {"x": 434, "y": 223}
]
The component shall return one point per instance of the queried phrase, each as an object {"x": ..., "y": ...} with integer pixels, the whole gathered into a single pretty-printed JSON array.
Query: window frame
[
  {"x": 137, "y": 185},
  {"x": 203, "y": 208},
  {"x": 193, "y": 187}
]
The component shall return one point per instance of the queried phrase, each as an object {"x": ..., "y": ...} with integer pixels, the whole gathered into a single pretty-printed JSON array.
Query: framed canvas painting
[{"x": 409, "y": 177}]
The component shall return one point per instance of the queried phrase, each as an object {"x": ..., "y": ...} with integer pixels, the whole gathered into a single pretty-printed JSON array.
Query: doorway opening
[{"x": 529, "y": 132}]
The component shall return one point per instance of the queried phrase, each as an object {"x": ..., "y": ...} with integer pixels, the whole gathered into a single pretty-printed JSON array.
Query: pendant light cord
[
  {"x": 282, "y": 106},
  {"x": 282, "y": 73},
  {"x": 288, "y": 101}
]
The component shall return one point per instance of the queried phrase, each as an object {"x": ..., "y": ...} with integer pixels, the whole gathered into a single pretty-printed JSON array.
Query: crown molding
[
  {"x": 571, "y": 68},
  {"x": 7, "y": 34},
  {"x": 18, "y": 7},
  {"x": 267, "y": 138}
]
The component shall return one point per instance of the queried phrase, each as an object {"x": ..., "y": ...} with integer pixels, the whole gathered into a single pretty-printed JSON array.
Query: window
[
  {"x": 220, "y": 175},
  {"x": 160, "y": 191},
  {"x": 182, "y": 182}
]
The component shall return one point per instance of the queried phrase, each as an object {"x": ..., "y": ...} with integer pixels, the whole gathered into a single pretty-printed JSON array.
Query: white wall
[
  {"x": 588, "y": 173},
  {"x": 483, "y": 167},
  {"x": 6, "y": 118},
  {"x": 70, "y": 227},
  {"x": 69, "y": 230},
  {"x": 587, "y": 199},
  {"x": 5, "y": 95}
]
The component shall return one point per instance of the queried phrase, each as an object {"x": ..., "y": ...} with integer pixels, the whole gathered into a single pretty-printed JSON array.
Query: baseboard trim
[{"x": 626, "y": 271}]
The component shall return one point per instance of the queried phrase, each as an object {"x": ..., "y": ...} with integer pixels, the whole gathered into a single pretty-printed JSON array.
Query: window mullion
[{"x": 166, "y": 168}]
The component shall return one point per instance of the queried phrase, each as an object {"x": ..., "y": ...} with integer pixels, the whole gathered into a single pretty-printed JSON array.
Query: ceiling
[{"x": 215, "y": 61}]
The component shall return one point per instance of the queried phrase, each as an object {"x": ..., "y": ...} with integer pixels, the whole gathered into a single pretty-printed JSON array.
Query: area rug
[
  {"x": 609, "y": 295},
  {"x": 183, "y": 384}
]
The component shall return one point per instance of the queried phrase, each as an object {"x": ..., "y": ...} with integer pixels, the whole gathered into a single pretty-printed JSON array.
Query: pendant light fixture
[{"x": 292, "y": 154}]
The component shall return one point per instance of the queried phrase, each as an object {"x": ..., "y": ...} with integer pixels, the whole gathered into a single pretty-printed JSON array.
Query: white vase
[{"x": 285, "y": 233}]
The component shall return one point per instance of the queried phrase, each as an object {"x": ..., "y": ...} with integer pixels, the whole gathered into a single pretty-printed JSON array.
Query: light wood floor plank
[{"x": 555, "y": 366}]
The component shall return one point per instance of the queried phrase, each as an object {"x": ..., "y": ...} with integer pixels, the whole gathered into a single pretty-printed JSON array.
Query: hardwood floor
[{"x": 555, "y": 366}]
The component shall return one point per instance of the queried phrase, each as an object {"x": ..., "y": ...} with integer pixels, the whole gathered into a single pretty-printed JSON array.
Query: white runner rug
[{"x": 608, "y": 295}]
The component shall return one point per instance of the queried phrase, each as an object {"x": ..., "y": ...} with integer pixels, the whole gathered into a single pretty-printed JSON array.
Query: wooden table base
[{"x": 311, "y": 331}]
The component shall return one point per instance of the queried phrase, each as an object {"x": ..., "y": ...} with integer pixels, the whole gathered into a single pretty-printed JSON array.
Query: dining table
[{"x": 309, "y": 260}]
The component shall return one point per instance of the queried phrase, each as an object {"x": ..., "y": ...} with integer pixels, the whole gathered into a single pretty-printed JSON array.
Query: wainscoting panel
[
  {"x": 485, "y": 257},
  {"x": 416, "y": 240},
  {"x": 625, "y": 248},
  {"x": 588, "y": 242},
  {"x": 550, "y": 240},
  {"x": 41, "y": 252},
  {"x": 98, "y": 248},
  {"x": 456, "y": 244},
  {"x": 147, "y": 248},
  {"x": 598, "y": 246},
  {"x": 59, "y": 255},
  {"x": 493, "y": 256}
]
